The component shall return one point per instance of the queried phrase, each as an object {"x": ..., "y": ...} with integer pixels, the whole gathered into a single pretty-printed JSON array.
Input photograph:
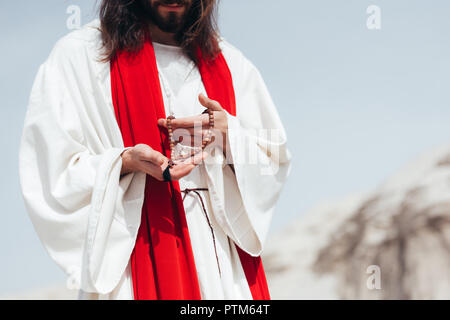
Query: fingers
[
  {"x": 188, "y": 122},
  {"x": 208, "y": 103},
  {"x": 162, "y": 123},
  {"x": 182, "y": 169},
  {"x": 152, "y": 170},
  {"x": 153, "y": 157},
  {"x": 195, "y": 138},
  {"x": 191, "y": 132},
  {"x": 193, "y": 121},
  {"x": 185, "y": 167},
  {"x": 196, "y": 159}
]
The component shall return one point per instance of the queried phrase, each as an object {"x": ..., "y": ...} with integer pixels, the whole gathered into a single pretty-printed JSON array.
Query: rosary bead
[
  {"x": 211, "y": 119},
  {"x": 207, "y": 137}
]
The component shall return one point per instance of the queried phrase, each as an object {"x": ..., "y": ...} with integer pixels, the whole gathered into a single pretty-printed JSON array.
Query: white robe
[{"x": 87, "y": 217}]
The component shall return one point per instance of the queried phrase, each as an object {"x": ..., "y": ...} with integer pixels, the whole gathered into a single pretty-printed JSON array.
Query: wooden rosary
[{"x": 185, "y": 154}]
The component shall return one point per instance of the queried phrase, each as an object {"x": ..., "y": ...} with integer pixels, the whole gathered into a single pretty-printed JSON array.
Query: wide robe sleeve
[
  {"x": 244, "y": 199},
  {"x": 70, "y": 163}
]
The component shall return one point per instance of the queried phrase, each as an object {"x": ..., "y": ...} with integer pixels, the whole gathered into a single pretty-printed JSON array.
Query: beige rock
[{"x": 402, "y": 230}]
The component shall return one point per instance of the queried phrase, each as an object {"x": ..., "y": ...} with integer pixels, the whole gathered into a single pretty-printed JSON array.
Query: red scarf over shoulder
[{"x": 162, "y": 261}]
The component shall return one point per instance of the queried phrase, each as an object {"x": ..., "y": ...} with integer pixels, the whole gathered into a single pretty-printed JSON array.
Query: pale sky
[{"x": 356, "y": 103}]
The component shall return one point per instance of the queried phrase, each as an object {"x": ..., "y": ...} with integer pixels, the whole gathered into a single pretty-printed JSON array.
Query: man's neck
[{"x": 162, "y": 37}]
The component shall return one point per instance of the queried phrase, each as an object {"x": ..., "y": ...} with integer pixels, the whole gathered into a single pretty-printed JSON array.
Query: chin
[{"x": 170, "y": 24}]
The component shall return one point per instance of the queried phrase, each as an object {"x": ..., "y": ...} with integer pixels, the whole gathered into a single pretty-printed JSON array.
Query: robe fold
[{"x": 85, "y": 214}]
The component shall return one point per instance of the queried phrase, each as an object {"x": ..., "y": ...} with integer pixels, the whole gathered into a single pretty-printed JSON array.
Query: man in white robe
[{"x": 85, "y": 196}]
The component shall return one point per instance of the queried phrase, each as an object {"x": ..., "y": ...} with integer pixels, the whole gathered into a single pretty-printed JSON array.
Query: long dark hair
[{"x": 124, "y": 26}]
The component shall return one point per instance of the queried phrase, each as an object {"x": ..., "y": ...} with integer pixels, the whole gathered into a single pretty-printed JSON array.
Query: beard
[{"x": 172, "y": 22}]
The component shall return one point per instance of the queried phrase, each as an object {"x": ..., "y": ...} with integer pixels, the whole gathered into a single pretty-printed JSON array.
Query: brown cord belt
[{"x": 196, "y": 191}]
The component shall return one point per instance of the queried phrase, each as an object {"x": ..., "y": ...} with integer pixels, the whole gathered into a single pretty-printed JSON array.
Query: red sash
[{"x": 162, "y": 261}]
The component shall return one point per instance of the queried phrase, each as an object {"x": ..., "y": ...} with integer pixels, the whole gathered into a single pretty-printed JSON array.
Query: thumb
[{"x": 208, "y": 103}]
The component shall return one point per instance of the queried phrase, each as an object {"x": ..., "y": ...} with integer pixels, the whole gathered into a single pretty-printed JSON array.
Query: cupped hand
[
  {"x": 144, "y": 159},
  {"x": 195, "y": 126}
]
